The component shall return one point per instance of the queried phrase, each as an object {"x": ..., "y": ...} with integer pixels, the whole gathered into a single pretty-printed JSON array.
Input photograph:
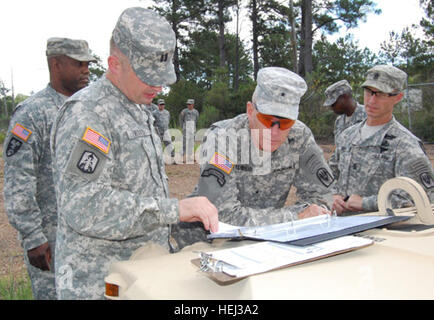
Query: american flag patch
[
  {"x": 21, "y": 132},
  {"x": 222, "y": 162},
  {"x": 96, "y": 139}
]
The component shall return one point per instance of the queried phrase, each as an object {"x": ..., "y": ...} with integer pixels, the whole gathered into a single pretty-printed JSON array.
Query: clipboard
[{"x": 210, "y": 264}]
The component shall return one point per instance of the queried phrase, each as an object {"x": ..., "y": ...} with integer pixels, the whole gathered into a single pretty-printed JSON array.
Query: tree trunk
[
  {"x": 305, "y": 65},
  {"x": 237, "y": 56},
  {"x": 175, "y": 6},
  {"x": 222, "y": 33},
  {"x": 255, "y": 38},
  {"x": 293, "y": 37}
]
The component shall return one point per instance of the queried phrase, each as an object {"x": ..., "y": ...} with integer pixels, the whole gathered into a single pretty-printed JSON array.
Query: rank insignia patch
[
  {"x": 21, "y": 132},
  {"x": 88, "y": 162},
  {"x": 222, "y": 163},
  {"x": 13, "y": 146},
  {"x": 96, "y": 139}
]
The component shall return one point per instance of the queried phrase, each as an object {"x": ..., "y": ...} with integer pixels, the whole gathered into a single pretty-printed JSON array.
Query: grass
[{"x": 14, "y": 287}]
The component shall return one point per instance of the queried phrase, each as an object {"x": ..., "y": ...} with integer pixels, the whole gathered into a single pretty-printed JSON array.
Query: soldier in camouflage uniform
[
  {"x": 339, "y": 96},
  {"x": 248, "y": 192},
  {"x": 162, "y": 120},
  {"x": 377, "y": 149},
  {"x": 29, "y": 191},
  {"x": 188, "y": 121},
  {"x": 109, "y": 173}
]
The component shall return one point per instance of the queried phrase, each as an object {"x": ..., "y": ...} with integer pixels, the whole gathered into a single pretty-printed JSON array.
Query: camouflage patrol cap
[
  {"x": 385, "y": 78},
  {"x": 75, "y": 49},
  {"x": 278, "y": 92},
  {"x": 190, "y": 101},
  {"x": 148, "y": 41},
  {"x": 334, "y": 91},
  {"x": 161, "y": 101}
]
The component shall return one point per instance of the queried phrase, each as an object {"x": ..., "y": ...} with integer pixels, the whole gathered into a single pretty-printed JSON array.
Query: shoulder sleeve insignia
[
  {"x": 427, "y": 180},
  {"x": 21, "y": 132},
  {"x": 88, "y": 162},
  {"x": 96, "y": 139},
  {"x": 325, "y": 177},
  {"x": 222, "y": 162}
]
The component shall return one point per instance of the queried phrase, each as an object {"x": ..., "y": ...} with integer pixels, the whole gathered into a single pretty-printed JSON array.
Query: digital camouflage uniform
[
  {"x": 110, "y": 178},
  {"x": 162, "y": 120},
  {"x": 362, "y": 166},
  {"x": 29, "y": 194},
  {"x": 188, "y": 121},
  {"x": 250, "y": 193}
]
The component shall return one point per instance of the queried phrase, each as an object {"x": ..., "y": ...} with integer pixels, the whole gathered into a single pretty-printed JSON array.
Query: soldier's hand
[
  {"x": 354, "y": 203},
  {"x": 339, "y": 204},
  {"x": 40, "y": 257},
  {"x": 312, "y": 211},
  {"x": 199, "y": 209}
]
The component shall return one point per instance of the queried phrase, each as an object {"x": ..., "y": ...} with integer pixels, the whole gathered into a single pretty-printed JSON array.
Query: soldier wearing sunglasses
[
  {"x": 377, "y": 149},
  {"x": 248, "y": 192}
]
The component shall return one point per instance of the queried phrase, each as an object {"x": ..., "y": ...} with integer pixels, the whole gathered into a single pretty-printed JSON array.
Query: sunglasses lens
[
  {"x": 286, "y": 124},
  {"x": 267, "y": 121}
]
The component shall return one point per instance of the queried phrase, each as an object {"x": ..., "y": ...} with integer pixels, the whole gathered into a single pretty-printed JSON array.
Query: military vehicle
[{"x": 398, "y": 265}]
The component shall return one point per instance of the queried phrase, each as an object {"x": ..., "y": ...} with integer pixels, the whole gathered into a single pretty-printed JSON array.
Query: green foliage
[
  {"x": 341, "y": 60},
  {"x": 15, "y": 288},
  {"x": 2, "y": 136},
  {"x": 177, "y": 98},
  {"x": 208, "y": 116},
  {"x": 96, "y": 69}
]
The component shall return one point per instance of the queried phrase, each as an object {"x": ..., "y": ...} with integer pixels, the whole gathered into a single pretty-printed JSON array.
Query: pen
[{"x": 346, "y": 198}]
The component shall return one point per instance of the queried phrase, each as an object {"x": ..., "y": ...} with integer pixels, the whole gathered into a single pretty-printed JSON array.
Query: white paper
[{"x": 265, "y": 256}]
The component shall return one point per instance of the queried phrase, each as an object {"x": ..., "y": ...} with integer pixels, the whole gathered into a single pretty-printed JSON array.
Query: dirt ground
[{"x": 182, "y": 179}]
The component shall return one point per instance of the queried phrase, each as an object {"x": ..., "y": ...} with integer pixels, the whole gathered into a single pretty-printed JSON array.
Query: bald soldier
[
  {"x": 111, "y": 183},
  {"x": 378, "y": 149},
  {"x": 29, "y": 191},
  {"x": 249, "y": 189},
  {"x": 339, "y": 97}
]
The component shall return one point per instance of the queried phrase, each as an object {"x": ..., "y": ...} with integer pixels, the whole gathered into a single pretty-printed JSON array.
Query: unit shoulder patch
[
  {"x": 88, "y": 162},
  {"x": 324, "y": 176}
]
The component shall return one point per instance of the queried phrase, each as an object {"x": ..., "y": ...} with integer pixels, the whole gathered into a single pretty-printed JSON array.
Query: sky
[{"x": 25, "y": 26}]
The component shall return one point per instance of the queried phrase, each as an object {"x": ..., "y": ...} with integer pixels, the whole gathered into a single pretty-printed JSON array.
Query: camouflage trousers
[{"x": 43, "y": 282}]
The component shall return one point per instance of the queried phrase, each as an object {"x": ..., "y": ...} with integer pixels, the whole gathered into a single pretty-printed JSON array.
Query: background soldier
[
  {"x": 378, "y": 149},
  {"x": 122, "y": 201},
  {"x": 188, "y": 119},
  {"x": 29, "y": 191},
  {"x": 339, "y": 96},
  {"x": 162, "y": 120}
]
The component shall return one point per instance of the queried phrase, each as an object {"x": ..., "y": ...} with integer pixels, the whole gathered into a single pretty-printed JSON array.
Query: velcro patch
[
  {"x": 222, "y": 162},
  {"x": 21, "y": 132},
  {"x": 96, "y": 139}
]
